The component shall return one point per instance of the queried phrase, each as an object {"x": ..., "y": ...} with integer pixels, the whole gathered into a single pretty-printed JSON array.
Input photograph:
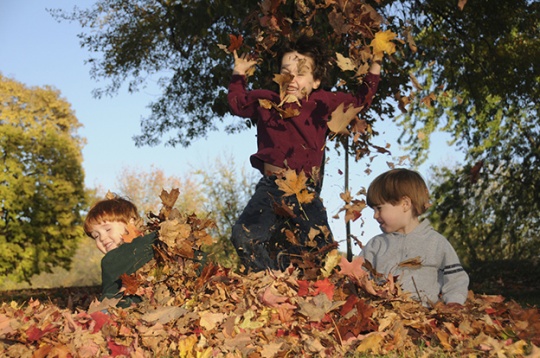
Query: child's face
[
  {"x": 108, "y": 235},
  {"x": 392, "y": 218},
  {"x": 301, "y": 68}
]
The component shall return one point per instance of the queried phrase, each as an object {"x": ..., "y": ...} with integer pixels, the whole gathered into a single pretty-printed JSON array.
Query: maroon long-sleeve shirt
[{"x": 298, "y": 142}]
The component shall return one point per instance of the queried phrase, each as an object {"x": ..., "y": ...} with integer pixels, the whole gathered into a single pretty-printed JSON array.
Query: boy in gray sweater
[{"x": 399, "y": 197}]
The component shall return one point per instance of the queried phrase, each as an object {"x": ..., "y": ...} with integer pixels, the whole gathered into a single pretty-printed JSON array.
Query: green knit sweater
[{"x": 126, "y": 259}]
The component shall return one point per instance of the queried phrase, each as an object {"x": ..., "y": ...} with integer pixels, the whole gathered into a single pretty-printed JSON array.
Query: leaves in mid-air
[
  {"x": 292, "y": 183},
  {"x": 382, "y": 43},
  {"x": 342, "y": 118}
]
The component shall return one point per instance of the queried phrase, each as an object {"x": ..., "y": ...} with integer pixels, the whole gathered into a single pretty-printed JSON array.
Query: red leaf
[
  {"x": 236, "y": 42},
  {"x": 35, "y": 334},
  {"x": 303, "y": 288},
  {"x": 101, "y": 319},
  {"x": 326, "y": 287},
  {"x": 349, "y": 305},
  {"x": 118, "y": 350}
]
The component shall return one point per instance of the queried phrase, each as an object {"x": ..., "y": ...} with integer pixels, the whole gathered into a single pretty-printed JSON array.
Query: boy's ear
[
  {"x": 406, "y": 203},
  {"x": 316, "y": 84}
]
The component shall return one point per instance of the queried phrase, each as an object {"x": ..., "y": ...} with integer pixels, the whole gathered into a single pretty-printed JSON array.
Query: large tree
[
  {"x": 180, "y": 44},
  {"x": 41, "y": 180},
  {"x": 465, "y": 67},
  {"x": 478, "y": 74}
]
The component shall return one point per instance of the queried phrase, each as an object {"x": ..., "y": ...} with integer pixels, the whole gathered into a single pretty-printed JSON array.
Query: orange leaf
[
  {"x": 132, "y": 233},
  {"x": 295, "y": 184}
]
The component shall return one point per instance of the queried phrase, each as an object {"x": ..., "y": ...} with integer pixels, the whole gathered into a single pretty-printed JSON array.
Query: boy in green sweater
[{"x": 112, "y": 223}]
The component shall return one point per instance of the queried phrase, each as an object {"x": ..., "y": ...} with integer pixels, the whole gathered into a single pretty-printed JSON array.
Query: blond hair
[
  {"x": 392, "y": 186},
  {"x": 113, "y": 209}
]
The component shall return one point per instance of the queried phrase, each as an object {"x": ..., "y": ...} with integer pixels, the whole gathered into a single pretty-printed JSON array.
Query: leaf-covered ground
[{"x": 325, "y": 307}]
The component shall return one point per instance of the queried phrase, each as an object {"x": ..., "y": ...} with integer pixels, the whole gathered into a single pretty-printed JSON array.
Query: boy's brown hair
[
  {"x": 393, "y": 185},
  {"x": 110, "y": 209}
]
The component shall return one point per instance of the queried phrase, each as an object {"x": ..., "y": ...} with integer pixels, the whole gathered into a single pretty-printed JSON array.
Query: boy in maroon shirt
[{"x": 291, "y": 134}]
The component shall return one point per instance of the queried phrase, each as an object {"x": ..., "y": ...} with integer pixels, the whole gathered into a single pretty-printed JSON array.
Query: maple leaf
[
  {"x": 354, "y": 268},
  {"x": 382, "y": 42},
  {"x": 341, "y": 119},
  {"x": 132, "y": 233},
  {"x": 235, "y": 42},
  {"x": 326, "y": 287},
  {"x": 295, "y": 184},
  {"x": 35, "y": 334},
  {"x": 130, "y": 283},
  {"x": 272, "y": 299},
  {"x": 316, "y": 308},
  {"x": 345, "y": 63}
]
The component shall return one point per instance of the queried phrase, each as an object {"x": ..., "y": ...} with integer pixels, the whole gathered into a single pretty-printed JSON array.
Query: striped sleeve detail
[{"x": 451, "y": 269}]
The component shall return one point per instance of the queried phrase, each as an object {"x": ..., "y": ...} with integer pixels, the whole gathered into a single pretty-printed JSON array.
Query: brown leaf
[
  {"x": 235, "y": 42},
  {"x": 415, "y": 262},
  {"x": 130, "y": 283}
]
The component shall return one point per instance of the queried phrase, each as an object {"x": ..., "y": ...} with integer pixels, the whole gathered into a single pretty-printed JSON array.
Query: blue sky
[{"x": 36, "y": 50}]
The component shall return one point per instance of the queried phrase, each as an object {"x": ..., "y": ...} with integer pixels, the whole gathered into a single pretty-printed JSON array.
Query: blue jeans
[{"x": 274, "y": 230}]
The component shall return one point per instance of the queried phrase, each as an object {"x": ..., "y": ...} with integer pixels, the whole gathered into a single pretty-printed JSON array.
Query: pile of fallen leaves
[{"x": 194, "y": 309}]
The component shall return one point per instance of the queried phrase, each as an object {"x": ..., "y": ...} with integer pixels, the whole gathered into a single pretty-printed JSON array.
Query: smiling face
[
  {"x": 396, "y": 217},
  {"x": 300, "y": 67},
  {"x": 108, "y": 235}
]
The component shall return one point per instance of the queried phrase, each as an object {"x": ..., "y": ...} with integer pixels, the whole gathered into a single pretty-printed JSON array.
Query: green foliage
[
  {"x": 476, "y": 68},
  {"x": 488, "y": 213},
  {"x": 470, "y": 71},
  {"x": 41, "y": 180}
]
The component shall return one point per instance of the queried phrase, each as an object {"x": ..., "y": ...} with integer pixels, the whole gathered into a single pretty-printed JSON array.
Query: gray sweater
[{"x": 440, "y": 273}]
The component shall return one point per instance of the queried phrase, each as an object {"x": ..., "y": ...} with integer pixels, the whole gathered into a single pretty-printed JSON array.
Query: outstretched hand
[{"x": 242, "y": 64}]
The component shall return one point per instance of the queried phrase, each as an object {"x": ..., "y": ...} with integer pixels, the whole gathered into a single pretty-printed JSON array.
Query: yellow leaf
[
  {"x": 332, "y": 260},
  {"x": 383, "y": 43},
  {"x": 340, "y": 119},
  {"x": 372, "y": 342}
]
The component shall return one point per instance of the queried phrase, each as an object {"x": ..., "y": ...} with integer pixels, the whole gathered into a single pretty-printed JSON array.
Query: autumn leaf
[
  {"x": 235, "y": 42},
  {"x": 331, "y": 261},
  {"x": 345, "y": 63},
  {"x": 317, "y": 307},
  {"x": 283, "y": 80},
  {"x": 132, "y": 233},
  {"x": 382, "y": 42},
  {"x": 271, "y": 298},
  {"x": 415, "y": 82},
  {"x": 295, "y": 184},
  {"x": 415, "y": 262},
  {"x": 341, "y": 119},
  {"x": 130, "y": 283}
]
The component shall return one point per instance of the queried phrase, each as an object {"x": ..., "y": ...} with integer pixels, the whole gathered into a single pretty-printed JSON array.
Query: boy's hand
[{"x": 243, "y": 65}]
